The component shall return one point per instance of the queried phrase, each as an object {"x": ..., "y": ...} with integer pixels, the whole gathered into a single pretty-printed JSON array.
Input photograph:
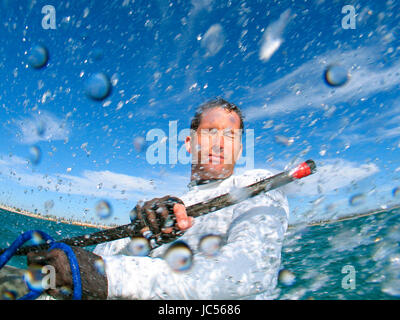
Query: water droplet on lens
[
  {"x": 139, "y": 143},
  {"x": 9, "y": 295},
  {"x": 41, "y": 128},
  {"x": 35, "y": 155},
  {"x": 66, "y": 291},
  {"x": 99, "y": 265},
  {"x": 210, "y": 244},
  {"x": 49, "y": 204},
  {"x": 97, "y": 54},
  {"x": 139, "y": 246},
  {"x": 336, "y": 75},
  {"x": 103, "y": 209},
  {"x": 33, "y": 278},
  {"x": 37, "y": 238},
  {"x": 98, "y": 86},
  {"x": 357, "y": 199},
  {"x": 179, "y": 256},
  {"x": 38, "y": 57},
  {"x": 286, "y": 277},
  {"x": 133, "y": 215}
]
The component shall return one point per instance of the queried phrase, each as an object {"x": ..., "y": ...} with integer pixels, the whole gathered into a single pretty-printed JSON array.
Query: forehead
[{"x": 220, "y": 118}]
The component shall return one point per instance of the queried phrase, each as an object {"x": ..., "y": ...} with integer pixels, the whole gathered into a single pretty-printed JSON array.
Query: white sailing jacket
[{"x": 246, "y": 266}]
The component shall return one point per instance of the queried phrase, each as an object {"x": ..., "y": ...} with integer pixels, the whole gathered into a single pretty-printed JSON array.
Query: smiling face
[{"x": 216, "y": 145}]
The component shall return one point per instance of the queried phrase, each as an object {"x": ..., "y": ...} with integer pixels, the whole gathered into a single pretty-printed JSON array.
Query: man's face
[{"x": 216, "y": 145}]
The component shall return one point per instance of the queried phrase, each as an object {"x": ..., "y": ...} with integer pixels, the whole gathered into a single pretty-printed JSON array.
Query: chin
[{"x": 216, "y": 171}]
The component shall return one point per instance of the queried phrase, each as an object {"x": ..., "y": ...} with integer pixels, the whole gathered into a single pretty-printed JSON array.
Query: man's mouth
[{"x": 216, "y": 158}]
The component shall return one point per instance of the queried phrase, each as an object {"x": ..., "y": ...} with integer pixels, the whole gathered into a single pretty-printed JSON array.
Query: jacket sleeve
[{"x": 246, "y": 266}]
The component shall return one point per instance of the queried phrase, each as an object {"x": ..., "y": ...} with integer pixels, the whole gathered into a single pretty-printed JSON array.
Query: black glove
[{"x": 157, "y": 216}]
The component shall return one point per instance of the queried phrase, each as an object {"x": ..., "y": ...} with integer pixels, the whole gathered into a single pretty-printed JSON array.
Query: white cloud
[
  {"x": 100, "y": 184},
  {"x": 304, "y": 87},
  {"x": 11, "y": 161},
  {"x": 273, "y": 36},
  {"x": 388, "y": 133},
  {"x": 42, "y": 127},
  {"x": 104, "y": 184}
]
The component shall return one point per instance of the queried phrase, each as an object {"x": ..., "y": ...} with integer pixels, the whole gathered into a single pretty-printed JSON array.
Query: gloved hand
[
  {"x": 91, "y": 267},
  {"x": 163, "y": 216}
]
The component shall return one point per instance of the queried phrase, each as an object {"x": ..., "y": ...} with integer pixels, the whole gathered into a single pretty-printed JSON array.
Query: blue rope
[
  {"x": 7, "y": 255},
  {"x": 34, "y": 292}
]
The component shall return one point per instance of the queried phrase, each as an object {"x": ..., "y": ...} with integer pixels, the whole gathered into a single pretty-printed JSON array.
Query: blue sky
[{"x": 164, "y": 58}]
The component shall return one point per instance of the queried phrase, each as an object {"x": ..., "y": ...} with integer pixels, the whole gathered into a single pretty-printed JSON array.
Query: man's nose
[{"x": 218, "y": 140}]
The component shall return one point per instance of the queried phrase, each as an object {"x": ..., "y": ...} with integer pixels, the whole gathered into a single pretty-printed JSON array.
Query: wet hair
[{"x": 215, "y": 103}]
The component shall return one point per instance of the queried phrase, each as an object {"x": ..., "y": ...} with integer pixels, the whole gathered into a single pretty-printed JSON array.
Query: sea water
[
  {"x": 352, "y": 259},
  {"x": 13, "y": 224}
]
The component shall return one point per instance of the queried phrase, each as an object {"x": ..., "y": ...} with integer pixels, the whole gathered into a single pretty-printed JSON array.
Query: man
[{"x": 252, "y": 231}]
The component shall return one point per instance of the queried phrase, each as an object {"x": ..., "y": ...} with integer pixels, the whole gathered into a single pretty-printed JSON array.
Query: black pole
[{"x": 196, "y": 210}]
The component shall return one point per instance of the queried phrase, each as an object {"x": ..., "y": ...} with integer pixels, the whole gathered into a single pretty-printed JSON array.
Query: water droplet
[
  {"x": 179, "y": 256},
  {"x": 133, "y": 215},
  {"x": 213, "y": 40},
  {"x": 268, "y": 124},
  {"x": 99, "y": 265},
  {"x": 38, "y": 57},
  {"x": 98, "y": 86},
  {"x": 336, "y": 75},
  {"x": 286, "y": 277},
  {"x": 33, "y": 278},
  {"x": 97, "y": 54},
  {"x": 284, "y": 140},
  {"x": 103, "y": 209},
  {"x": 37, "y": 238},
  {"x": 86, "y": 12},
  {"x": 41, "y": 129},
  {"x": 49, "y": 204},
  {"x": 9, "y": 295},
  {"x": 139, "y": 246},
  {"x": 35, "y": 155},
  {"x": 66, "y": 291},
  {"x": 210, "y": 244},
  {"x": 139, "y": 143},
  {"x": 396, "y": 192},
  {"x": 357, "y": 199}
]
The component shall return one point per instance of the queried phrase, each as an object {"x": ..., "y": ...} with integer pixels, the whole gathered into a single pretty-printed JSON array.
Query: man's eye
[{"x": 229, "y": 134}]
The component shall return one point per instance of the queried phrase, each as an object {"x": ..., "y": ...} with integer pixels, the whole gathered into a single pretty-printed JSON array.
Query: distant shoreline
[{"x": 39, "y": 216}]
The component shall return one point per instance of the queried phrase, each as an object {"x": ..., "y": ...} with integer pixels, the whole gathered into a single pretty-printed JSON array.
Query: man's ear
[{"x": 188, "y": 144}]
